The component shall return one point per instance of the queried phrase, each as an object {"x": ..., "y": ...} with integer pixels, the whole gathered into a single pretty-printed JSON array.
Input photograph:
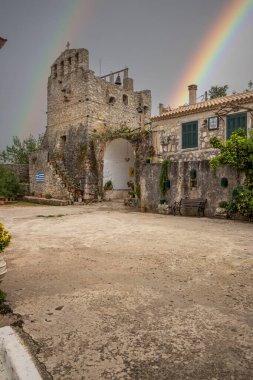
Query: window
[
  {"x": 125, "y": 100},
  {"x": 235, "y": 122},
  {"x": 213, "y": 123},
  {"x": 63, "y": 139},
  {"x": 62, "y": 67},
  {"x": 190, "y": 135},
  {"x": 55, "y": 71},
  {"x": 111, "y": 100},
  {"x": 193, "y": 178}
]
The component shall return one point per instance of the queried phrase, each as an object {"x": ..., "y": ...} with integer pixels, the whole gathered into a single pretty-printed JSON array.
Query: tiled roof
[{"x": 225, "y": 101}]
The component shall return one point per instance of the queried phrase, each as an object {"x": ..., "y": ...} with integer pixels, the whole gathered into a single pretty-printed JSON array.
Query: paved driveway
[{"x": 110, "y": 294}]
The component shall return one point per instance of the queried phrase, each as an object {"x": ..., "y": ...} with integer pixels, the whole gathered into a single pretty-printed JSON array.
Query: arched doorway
[{"x": 119, "y": 166}]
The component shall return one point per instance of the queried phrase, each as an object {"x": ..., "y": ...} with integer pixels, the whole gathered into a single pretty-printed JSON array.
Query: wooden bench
[{"x": 198, "y": 203}]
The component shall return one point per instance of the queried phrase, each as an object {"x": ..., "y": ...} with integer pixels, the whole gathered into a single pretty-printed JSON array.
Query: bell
[{"x": 118, "y": 80}]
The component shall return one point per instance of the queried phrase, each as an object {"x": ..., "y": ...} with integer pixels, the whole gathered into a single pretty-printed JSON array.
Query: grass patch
[
  {"x": 22, "y": 204},
  {"x": 4, "y": 308},
  {"x": 50, "y": 216}
]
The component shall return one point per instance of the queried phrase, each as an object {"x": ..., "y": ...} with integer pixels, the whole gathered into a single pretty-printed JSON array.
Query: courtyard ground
[{"x": 107, "y": 293}]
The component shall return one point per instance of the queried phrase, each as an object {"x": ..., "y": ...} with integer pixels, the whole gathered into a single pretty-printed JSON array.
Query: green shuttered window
[
  {"x": 190, "y": 135},
  {"x": 235, "y": 122}
]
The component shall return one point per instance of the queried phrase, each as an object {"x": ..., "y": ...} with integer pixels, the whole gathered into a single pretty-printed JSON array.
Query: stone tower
[{"x": 82, "y": 105}]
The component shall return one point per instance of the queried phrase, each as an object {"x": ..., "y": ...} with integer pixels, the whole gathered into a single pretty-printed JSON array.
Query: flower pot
[{"x": 3, "y": 268}]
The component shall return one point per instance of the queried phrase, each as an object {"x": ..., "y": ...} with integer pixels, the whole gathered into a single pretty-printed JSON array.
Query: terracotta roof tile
[{"x": 245, "y": 97}]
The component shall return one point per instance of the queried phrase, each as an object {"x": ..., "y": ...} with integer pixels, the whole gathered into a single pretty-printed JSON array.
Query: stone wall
[
  {"x": 107, "y": 107},
  {"x": 52, "y": 184},
  {"x": 207, "y": 186}
]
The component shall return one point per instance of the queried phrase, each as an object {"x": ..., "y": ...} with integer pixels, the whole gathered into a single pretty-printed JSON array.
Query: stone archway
[{"x": 119, "y": 166}]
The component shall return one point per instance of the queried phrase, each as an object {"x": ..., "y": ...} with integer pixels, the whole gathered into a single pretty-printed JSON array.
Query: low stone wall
[
  {"x": 206, "y": 186},
  {"x": 45, "y": 201}
]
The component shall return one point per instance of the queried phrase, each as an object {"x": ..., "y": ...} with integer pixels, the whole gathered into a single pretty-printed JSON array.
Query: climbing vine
[
  {"x": 164, "y": 176},
  {"x": 107, "y": 134},
  {"x": 237, "y": 152}
]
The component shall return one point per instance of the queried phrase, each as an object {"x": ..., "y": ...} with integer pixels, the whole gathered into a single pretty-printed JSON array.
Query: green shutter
[
  {"x": 190, "y": 135},
  {"x": 235, "y": 122}
]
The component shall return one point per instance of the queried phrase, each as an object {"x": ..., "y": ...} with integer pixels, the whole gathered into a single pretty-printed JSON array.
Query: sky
[{"x": 157, "y": 39}]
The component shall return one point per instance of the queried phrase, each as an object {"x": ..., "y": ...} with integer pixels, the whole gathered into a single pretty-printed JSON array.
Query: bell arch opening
[{"x": 119, "y": 166}]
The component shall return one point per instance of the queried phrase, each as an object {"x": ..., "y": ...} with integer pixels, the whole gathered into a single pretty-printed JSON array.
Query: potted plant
[
  {"x": 5, "y": 239},
  {"x": 108, "y": 185}
]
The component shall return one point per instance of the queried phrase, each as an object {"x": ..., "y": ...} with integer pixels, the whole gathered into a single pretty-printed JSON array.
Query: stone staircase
[{"x": 64, "y": 179}]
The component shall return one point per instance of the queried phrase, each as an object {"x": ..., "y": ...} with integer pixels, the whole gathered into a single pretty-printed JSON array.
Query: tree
[
  {"x": 18, "y": 152},
  {"x": 217, "y": 91},
  {"x": 237, "y": 152},
  {"x": 250, "y": 87},
  {"x": 10, "y": 187}
]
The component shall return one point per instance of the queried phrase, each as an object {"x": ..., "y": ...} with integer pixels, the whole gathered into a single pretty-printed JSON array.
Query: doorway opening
[{"x": 119, "y": 167}]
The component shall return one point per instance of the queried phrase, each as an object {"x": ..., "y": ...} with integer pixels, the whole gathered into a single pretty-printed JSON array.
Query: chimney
[
  {"x": 161, "y": 108},
  {"x": 192, "y": 93}
]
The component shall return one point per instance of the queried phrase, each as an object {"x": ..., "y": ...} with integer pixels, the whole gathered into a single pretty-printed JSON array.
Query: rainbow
[
  {"x": 74, "y": 16},
  {"x": 212, "y": 47}
]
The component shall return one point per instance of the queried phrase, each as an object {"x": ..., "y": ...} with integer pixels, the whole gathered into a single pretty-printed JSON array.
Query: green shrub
[
  {"x": 2, "y": 296},
  {"x": 236, "y": 152},
  {"x": 138, "y": 191},
  {"x": 108, "y": 185},
  {"x": 130, "y": 184},
  {"x": 10, "y": 187},
  {"x": 4, "y": 308},
  {"x": 5, "y": 238},
  {"x": 131, "y": 192},
  {"x": 223, "y": 204},
  {"x": 241, "y": 201}
]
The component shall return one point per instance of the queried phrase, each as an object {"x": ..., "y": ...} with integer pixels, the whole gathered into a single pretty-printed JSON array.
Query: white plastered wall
[{"x": 118, "y": 161}]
